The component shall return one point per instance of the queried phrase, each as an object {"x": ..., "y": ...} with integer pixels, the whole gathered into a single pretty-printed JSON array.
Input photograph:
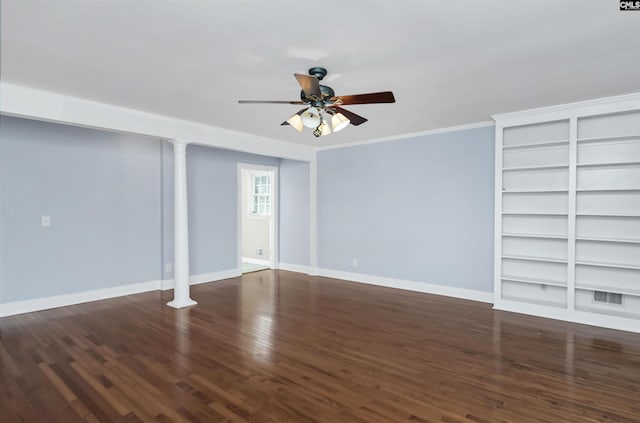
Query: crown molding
[
  {"x": 596, "y": 106},
  {"x": 399, "y": 137}
]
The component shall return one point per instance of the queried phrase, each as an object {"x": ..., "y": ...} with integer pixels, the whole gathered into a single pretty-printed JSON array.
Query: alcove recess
[{"x": 567, "y": 220}]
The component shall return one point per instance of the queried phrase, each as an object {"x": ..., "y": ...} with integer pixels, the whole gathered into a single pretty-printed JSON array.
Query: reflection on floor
[{"x": 250, "y": 267}]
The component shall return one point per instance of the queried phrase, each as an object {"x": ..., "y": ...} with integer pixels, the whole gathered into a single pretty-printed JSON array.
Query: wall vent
[{"x": 607, "y": 297}]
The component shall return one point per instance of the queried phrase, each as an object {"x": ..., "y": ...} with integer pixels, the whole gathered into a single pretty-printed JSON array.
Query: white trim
[
  {"x": 574, "y": 316},
  {"x": 46, "y": 303},
  {"x": 446, "y": 290},
  {"x": 20, "y": 101},
  {"x": 571, "y": 214},
  {"x": 290, "y": 267},
  {"x": 37, "y": 304},
  {"x": 167, "y": 284},
  {"x": 399, "y": 137},
  {"x": 274, "y": 219},
  {"x": 256, "y": 261},
  {"x": 599, "y": 106},
  {"x": 497, "y": 220}
]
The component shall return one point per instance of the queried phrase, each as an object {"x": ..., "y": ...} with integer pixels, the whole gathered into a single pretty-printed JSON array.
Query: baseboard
[
  {"x": 167, "y": 284},
  {"x": 448, "y": 291},
  {"x": 573, "y": 316},
  {"x": 256, "y": 261},
  {"x": 38, "y": 304},
  {"x": 294, "y": 267}
]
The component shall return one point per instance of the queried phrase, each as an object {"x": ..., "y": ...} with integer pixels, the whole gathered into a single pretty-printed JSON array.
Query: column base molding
[{"x": 181, "y": 303}]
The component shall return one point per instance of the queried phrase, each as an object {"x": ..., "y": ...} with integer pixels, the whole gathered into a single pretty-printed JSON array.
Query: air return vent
[{"x": 607, "y": 297}]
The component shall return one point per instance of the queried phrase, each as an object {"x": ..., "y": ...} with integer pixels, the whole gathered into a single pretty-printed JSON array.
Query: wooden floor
[{"x": 281, "y": 346}]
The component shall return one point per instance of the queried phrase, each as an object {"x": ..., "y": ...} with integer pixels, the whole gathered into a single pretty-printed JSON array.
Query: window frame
[{"x": 258, "y": 191}]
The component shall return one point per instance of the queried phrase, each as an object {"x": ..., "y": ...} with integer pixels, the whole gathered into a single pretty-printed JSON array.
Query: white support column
[
  {"x": 180, "y": 227},
  {"x": 313, "y": 216}
]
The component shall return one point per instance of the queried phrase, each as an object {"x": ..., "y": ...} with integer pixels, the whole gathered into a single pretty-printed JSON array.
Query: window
[{"x": 260, "y": 201}]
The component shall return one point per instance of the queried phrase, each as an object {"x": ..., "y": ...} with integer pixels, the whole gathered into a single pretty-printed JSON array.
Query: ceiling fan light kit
[{"x": 322, "y": 105}]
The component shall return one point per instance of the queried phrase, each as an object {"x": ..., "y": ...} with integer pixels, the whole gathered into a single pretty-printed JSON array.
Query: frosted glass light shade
[
  {"x": 311, "y": 118},
  {"x": 339, "y": 121},
  {"x": 325, "y": 128},
  {"x": 296, "y": 122}
]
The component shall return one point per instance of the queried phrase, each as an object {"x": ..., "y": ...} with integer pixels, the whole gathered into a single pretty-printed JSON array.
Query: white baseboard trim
[
  {"x": 573, "y": 316},
  {"x": 294, "y": 267},
  {"x": 38, "y": 304},
  {"x": 448, "y": 291},
  {"x": 203, "y": 278},
  {"x": 259, "y": 262}
]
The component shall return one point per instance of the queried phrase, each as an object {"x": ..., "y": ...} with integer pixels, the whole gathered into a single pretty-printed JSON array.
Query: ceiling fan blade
[
  {"x": 269, "y": 102},
  {"x": 355, "y": 119},
  {"x": 381, "y": 97},
  {"x": 301, "y": 111},
  {"x": 309, "y": 84}
]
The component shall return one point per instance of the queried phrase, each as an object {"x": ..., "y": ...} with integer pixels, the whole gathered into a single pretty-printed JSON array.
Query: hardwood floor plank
[{"x": 276, "y": 346}]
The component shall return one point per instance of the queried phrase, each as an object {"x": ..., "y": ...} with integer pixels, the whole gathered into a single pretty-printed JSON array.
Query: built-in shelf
[
  {"x": 607, "y": 215},
  {"x": 533, "y": 190},
  {"x": 614, "y": 138},
  {"x": 570, "y": 193},
  {"x": 533, "y": 213},
  {"x": 533, "y": 258},
  {"x": 543, "y": 236},
  {"x": 603, "y": 164},
  {"x": 534, "y": 301},
  {"x": 603, "y": 264},
  {"x": 536, "y": 281},
  {"x": 624, "y": 291},
  {"x": 616, "y": 240},
  {"x": 535, "y": 145},
  {"x": 540, "y": 167}
]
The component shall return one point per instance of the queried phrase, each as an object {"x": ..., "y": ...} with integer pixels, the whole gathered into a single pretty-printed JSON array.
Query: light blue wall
[
  {"x": 213, "y": 196},
  {"x": 419, "y": 209},
  {"x": 294, "y": 212},
  {"x": 102, "y": 193}
]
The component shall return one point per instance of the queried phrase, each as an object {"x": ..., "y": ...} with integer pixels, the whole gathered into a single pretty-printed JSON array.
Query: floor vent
[{"x": 607, "y": 297}]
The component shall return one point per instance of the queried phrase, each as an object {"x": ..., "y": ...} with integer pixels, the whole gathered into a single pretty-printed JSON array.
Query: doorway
[{"x": 257, "y": 219}]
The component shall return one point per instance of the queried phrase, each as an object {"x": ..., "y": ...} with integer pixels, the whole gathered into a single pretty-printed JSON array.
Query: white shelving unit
[{"x": 567, "y": 243}]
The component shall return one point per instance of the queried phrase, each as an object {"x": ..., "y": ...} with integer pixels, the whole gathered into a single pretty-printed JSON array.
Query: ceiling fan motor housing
[{"x": 327, "y": 95}]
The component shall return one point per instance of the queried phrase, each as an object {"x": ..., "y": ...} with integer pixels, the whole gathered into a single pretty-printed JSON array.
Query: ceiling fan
[{"x": 321, "y": 102}]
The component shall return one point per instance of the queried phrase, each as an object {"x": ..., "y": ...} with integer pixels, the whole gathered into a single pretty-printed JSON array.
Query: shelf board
[
  {"x": 535, "y": 145},
  {"x": 602, "y": 264},
  {"x": 607, "y": 215},
  {"x": 536, "y": 281},
  {"x": 616, "y": 240},
  {"x": 606, "y": 189},
  {"x": 613, "y": 138},
  {"x": 540, "y": 167},
  {"x": 627, "y": 163},
  {"x": 512, "y": 235},
  {"x": 533, "y": 191},
  {"x": 534, "y": 214},
  {"x": 624, "y": 291},
  {"x": 530, "y": 258}
]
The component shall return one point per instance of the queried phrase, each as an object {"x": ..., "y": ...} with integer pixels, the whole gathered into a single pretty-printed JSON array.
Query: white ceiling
[{"x": 448, "y": 62}]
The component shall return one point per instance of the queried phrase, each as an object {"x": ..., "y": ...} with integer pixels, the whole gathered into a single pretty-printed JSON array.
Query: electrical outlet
[
  {"x": 354, "y": 263},
  {"x": 45, "y": 221},
  {"x": 168, "y": 268},
  {"x": 258, "y": 251}
]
